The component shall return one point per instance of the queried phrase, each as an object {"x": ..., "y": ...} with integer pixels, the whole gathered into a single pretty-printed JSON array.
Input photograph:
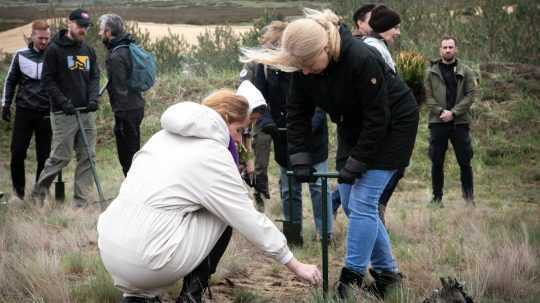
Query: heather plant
[{"x": 411, "y": 66}]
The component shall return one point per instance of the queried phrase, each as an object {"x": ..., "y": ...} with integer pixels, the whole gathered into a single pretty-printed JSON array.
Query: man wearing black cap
[{"x": 71, "y": 78}]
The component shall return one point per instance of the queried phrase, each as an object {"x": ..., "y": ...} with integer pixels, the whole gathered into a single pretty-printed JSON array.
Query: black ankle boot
[
  {"x": 384, "y": 280},
  {"x": 192, "y": 290},
  {"x": 348, "y": 279},
  {"x": 132, "y": 299}
]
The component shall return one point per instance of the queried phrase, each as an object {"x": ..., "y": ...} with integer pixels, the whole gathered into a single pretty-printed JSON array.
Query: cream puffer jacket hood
[{"x": 181, "y": 192}]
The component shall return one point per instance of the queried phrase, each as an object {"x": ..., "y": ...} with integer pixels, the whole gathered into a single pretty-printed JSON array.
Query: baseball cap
[{"x": 80, "y": 16}]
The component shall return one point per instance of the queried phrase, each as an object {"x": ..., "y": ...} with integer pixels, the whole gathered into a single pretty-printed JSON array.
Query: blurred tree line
[{"x": 487, "y": 30}]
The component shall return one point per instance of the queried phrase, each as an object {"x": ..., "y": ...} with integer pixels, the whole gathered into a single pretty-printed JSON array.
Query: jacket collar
[
  {"x": 122, "y": 39},
  {"x": 460, "y": 70},
  {"x": 378, "y": 37}
]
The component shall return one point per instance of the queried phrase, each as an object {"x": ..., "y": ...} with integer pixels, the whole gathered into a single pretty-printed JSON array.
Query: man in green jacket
[{"x": 450, "y": 90}]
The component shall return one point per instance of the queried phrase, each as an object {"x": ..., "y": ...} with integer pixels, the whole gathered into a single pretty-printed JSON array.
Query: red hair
[{"x": 40, "y": 25}]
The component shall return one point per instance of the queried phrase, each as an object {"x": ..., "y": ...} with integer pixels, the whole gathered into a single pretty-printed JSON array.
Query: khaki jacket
[{"x": 436, "y": 93}]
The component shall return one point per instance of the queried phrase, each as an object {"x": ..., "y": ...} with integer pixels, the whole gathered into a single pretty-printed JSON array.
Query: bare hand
[
  {"x": 447, "y": 116},
  {"x": 305, "y": 272},
  {"x": 250, "y": 166}
]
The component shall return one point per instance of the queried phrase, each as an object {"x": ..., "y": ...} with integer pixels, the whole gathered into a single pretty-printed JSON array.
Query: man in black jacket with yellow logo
[
  {"x": 71, "y": 78},
  {"x": 127, "y": 104}
]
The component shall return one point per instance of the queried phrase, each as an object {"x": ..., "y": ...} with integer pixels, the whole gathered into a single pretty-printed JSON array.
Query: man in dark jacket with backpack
[{"x": 126, "y": 102}]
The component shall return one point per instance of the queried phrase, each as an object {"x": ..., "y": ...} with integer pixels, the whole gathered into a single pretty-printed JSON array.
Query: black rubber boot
[
  {"x": 384, "y": 281},
  {"x": 140, "y": 300},
  {"x": 192, "y": 290},
  {"x": 347, "y": 280}
]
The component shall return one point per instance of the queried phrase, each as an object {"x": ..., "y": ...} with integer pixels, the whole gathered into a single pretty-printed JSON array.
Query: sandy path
[{"x": 12, "y": 39}]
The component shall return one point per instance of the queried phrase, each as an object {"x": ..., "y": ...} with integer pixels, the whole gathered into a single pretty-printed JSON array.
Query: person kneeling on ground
[{"x": 182, "y": 192}]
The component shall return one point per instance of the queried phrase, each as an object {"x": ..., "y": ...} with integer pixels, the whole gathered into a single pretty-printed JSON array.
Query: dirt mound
[{"x": 13, "y": 39}]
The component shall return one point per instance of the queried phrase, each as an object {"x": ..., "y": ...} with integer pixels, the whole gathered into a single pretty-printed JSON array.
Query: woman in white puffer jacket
[{"x": 182, "y": 190}]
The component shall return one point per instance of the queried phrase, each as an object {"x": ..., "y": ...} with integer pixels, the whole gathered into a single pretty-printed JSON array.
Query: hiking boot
[
  {"x": 436, "y": 202},
  {"x": 384, "y": 281},
  {"x": 192, "y": 290},
  {"x": 347, "y": 280},
  {"x": 259, "y": 202},
  {"x": 469, "y": 198},
  {"x": 133, "y": 299}
]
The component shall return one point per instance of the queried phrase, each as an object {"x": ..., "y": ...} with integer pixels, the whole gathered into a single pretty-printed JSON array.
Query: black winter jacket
[
  {"x": 119, "y": 67},
  {"x": 376, "y": 113},
  {"x": 274, "y": 85},
  {"x": 25, "y": 72},
  {"x": 70, "y": 72}
]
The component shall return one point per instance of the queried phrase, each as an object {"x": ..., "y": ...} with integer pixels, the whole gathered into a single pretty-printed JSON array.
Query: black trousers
[
  {"x": 28, "y": 122},
  {"x": 440, "y": 133},
  {"x": 128, "y": 135},
  {"x": 391, "y": 187},
  {"x": 202, "y": 273}
]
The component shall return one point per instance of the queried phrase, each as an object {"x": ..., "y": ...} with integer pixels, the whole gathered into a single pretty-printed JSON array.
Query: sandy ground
[{"x": 13, "y": 39}]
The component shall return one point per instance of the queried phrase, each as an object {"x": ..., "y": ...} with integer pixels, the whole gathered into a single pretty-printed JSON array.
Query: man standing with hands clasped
[
  {"x": 450, "y": 91},
  {"x": 71, "y": 78}
]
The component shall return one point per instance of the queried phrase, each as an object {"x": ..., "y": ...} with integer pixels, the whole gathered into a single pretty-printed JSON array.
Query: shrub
[{"x": 411, "y": 66}]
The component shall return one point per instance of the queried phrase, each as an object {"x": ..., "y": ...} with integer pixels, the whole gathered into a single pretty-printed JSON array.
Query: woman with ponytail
[{"x": 377, "y": 119}]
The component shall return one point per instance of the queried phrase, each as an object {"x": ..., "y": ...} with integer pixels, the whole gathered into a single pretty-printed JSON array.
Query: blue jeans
[
  {"x": 367, "y": 238},
  {"x": 315, "y": 190}
]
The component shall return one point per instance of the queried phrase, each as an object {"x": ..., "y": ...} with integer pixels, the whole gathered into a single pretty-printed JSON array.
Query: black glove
[
  {"x": 6, "y": 113},
  {"x": 249, "y": 179},
  {"x": 92, "y": 106},
  {"x": 353, "y": 169},
  {"x": 302, "y": 168},
  {"x": 270, "y": 128},
  {"x": 68, "y": 108}
]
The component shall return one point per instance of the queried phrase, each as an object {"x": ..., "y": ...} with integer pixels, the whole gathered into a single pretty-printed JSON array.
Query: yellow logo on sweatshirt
[{"x": 81, "y": 63}]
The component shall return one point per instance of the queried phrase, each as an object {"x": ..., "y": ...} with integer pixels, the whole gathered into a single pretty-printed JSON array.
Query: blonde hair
[
  {"x": 272, "y": 34},
  {"x": 302, "y": 40},
  {"x": 231, "y": 107}
]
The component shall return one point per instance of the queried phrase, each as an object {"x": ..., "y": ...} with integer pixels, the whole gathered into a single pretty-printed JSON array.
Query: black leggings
[{"x": 209, "y": 265}]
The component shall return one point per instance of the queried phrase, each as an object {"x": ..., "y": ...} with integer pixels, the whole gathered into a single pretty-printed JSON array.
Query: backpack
[{"x": 144, "y": 67}]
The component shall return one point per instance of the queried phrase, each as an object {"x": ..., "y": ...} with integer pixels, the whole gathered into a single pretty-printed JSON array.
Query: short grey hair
[{"x": 112, "y": 23}]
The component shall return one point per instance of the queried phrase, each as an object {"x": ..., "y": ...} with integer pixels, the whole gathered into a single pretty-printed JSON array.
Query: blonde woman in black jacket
[{"x": 377, "y": 119}]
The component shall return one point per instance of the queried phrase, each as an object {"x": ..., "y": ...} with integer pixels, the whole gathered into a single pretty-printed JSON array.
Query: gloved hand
[
  {"x": 92, "y": 106},
  {"x": 353, "y": 169},
  {"x": 270, "y": 128},
  {"x": 6, "y": 113},
  {"x": 68, "y": 108},
  {"x": 304, "y": 173},
  {"x": 302, "y": 168}
]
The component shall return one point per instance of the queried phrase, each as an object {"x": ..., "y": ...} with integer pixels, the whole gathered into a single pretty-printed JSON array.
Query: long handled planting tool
[
  {"x": 324, "y": 241},
  {"x": 89, "y": 153},
  {"x": 291, "y": 229}
]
